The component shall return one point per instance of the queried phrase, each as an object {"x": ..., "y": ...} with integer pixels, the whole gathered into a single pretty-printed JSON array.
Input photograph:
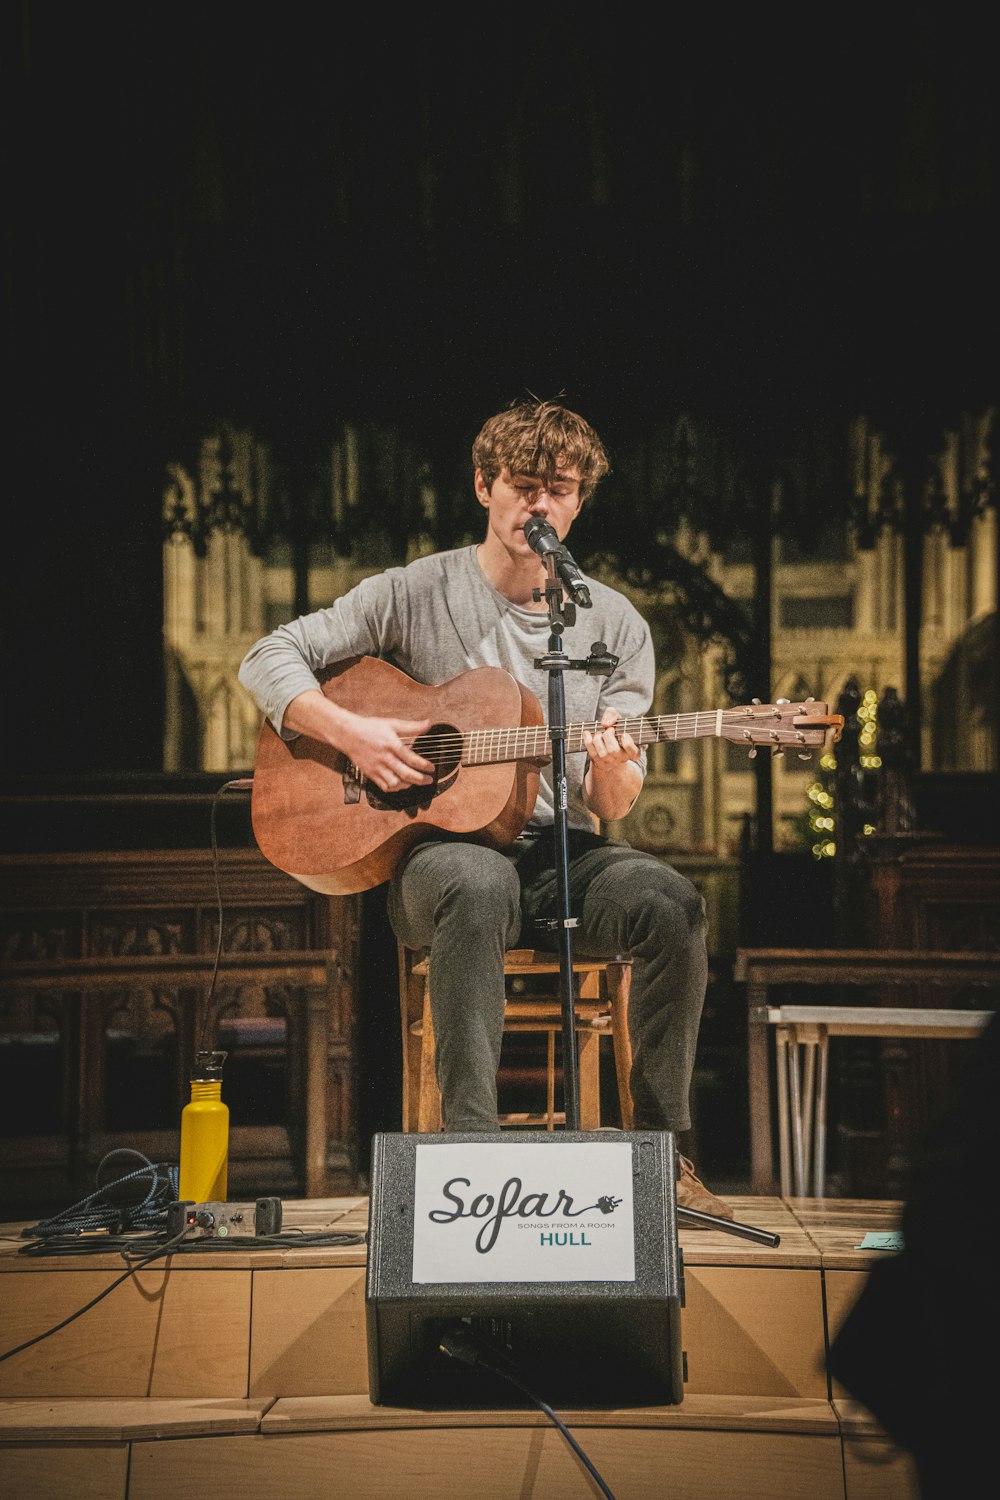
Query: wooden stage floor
[{"x": 249, "y": 1365}]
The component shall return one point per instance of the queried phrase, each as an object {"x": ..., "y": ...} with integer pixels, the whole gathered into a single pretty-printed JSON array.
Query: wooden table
[{"x": 801, "y": 1099}]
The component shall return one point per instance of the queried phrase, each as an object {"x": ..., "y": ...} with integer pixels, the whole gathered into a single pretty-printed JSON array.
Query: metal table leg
[
  {"x": 819, "y": 1162},
  {"x": 784, "y": 1131},
  {"x": 808, "y": 1098},
  {"x": 798, "y": 1142}
]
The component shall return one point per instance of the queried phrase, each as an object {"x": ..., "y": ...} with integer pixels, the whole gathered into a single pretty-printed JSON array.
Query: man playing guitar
[{"x": 453, "y": 895}]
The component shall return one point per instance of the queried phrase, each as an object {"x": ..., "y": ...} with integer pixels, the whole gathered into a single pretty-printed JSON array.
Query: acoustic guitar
[{"x": 317, "y": 819}]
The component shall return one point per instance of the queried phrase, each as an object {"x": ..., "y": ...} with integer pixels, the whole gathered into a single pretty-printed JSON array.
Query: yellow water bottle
[{"x": 205, "y": 1134}]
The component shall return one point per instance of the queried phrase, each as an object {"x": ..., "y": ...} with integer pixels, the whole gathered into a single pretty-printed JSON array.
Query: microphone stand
[
  {"x": 555, "y": 663},
  {"x": 600, "y": 663}
]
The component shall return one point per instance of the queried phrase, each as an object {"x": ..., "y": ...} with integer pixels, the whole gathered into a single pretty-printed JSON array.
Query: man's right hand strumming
[{"x": 376, "y": 746}]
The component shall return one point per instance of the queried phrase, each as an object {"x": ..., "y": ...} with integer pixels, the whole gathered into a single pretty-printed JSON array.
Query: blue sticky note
[{"x": 891, "y": 1240}]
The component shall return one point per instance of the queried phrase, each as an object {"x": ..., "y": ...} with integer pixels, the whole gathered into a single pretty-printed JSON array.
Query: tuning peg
[
  {"x": 752, "y": 753},
  {"x": 782, "y": 700},
  {"x": 754, "y": 700},
  {"x": 805, "y": 755},
  {"x": 777, "y": 750}
]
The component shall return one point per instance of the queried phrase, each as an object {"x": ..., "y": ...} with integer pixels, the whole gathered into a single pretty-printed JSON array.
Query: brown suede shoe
[{"x": 692, "y": 1193}]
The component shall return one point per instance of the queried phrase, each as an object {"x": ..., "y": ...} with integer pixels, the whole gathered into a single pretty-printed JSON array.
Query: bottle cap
[{"x": 208, "y": 1067}]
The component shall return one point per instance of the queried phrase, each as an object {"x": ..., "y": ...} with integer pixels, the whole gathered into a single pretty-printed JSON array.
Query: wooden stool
[{"x": 601, "y": 1010}]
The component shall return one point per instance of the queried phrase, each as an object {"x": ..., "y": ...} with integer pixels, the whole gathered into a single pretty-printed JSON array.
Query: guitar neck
[{"x": 492, "y": 746}]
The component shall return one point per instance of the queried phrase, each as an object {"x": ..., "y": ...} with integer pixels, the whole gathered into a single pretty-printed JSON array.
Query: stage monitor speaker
[{"x": 556, "y": 1250}]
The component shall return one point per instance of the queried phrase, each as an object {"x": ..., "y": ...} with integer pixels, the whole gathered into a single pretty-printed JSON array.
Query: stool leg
[
  {"x": 430, "y": 1095},
  {"x": 411, "y": 1006},
  {"x": 618, "y": 978},
  {"x": 588, "y": 1048}
]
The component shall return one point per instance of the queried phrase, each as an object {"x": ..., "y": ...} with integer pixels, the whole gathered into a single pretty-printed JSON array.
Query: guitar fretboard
[
  {"x": 490, "y": 746},
  {"x": 478, "y": 747}
]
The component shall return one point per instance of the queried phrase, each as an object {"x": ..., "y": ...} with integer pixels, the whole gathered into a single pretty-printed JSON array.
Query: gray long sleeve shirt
[{"x": 440, "y": 616}]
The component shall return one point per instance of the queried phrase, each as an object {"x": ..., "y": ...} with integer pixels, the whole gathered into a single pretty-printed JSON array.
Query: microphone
[{"x": 544, "y": 539}]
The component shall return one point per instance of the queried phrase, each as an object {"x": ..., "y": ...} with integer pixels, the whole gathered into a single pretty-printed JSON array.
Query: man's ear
[{"x": 482, "y": 491}]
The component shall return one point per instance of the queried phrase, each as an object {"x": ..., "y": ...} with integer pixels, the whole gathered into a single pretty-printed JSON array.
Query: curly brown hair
[{"x": 535, "y": 437}]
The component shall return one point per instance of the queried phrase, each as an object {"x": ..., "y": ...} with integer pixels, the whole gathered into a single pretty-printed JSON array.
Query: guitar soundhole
[{"x": 443, "y": 745}]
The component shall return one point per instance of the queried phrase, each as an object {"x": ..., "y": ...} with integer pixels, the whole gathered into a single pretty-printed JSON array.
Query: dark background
[{"x": 289, "y": 221}]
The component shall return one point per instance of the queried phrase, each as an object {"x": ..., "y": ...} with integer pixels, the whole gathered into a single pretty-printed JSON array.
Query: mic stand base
[{"x": 731, "y": 1226}]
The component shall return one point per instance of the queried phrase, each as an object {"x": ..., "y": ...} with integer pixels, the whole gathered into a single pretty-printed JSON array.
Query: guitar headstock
[{"x": 782, "y": 725}]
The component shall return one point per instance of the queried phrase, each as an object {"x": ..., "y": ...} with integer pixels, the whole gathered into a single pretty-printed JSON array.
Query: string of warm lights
[
  {"x": 821, "y": 818},
  {"x": 822, "y": 813}
]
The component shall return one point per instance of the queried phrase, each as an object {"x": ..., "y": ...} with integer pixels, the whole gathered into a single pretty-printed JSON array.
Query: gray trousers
[{"x": 465, "y": 905}]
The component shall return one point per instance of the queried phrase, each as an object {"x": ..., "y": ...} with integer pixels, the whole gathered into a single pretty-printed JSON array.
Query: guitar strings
[
  {"x": 625, "y": 726},
  {"x": 649, "y": 728}
]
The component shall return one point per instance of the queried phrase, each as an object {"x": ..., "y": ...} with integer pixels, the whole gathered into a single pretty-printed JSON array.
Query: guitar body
[{"x": 313, "y": 819}]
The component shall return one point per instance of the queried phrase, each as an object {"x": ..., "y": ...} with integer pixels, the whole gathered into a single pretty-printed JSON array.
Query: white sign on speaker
[{"x": 546, "y": 1211}]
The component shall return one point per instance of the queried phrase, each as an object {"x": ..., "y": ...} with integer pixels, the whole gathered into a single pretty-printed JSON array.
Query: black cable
[
  {"x": 241, "y": 784},
  {"x": 154, "y": 1255},
  {"x": 86, "y": 1243},
  {"x": 101, "y": 1222},
  {"x": 461, "y": 1345},
  {"x": 105, "y": 1208}
]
